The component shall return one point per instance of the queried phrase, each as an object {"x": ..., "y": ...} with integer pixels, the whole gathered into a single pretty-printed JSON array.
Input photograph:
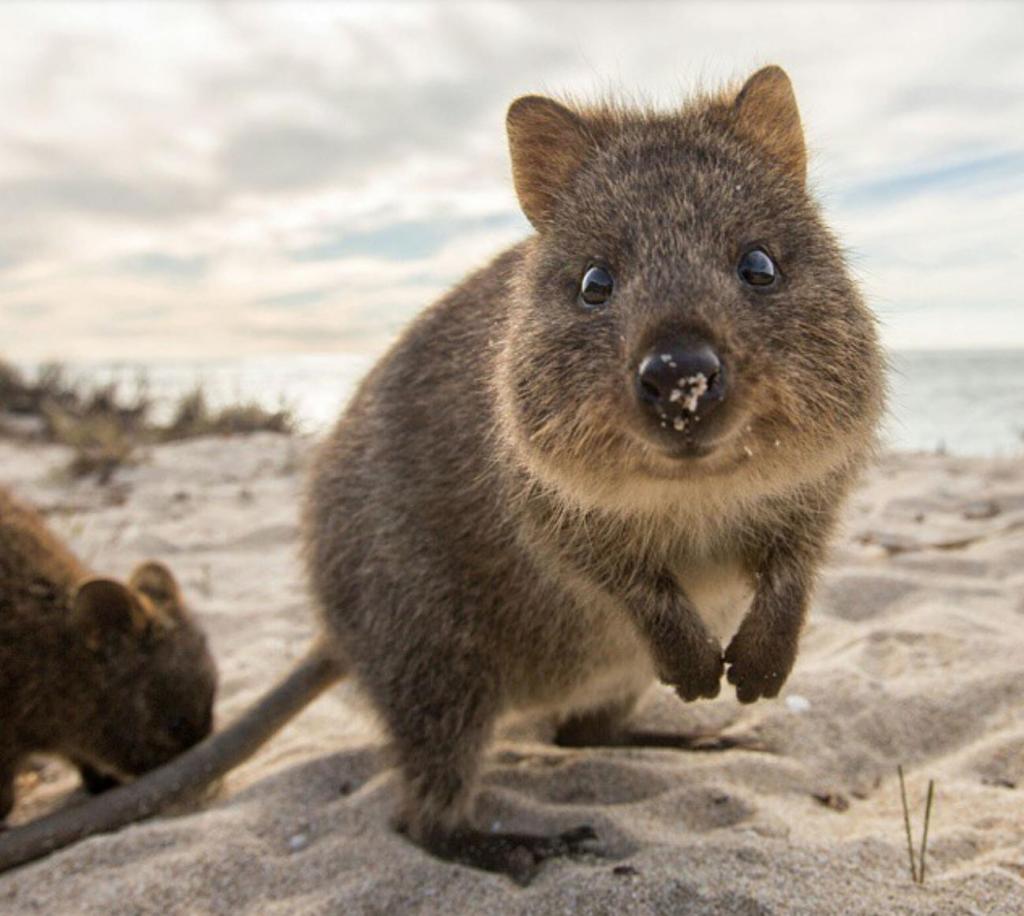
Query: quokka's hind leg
[
  {"x": 608, "y": 726},
  {"x": 440, "y": 736}
]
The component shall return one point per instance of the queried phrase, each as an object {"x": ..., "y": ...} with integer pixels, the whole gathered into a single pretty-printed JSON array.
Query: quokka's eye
[
  {"x": 757, "y": 269},
  {"x": 596, "y": 286}
]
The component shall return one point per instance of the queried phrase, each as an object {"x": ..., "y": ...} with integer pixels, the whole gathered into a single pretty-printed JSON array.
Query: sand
[{"x": 914, "y": 655}]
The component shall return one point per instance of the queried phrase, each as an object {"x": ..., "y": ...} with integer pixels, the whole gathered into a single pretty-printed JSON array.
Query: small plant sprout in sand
[{"x": 917, "y": 862}]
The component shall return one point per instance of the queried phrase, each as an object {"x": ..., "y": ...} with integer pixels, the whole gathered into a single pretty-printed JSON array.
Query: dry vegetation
[
  {"x": 107, "y": 429},
  {"x": 193, "y": 417}
]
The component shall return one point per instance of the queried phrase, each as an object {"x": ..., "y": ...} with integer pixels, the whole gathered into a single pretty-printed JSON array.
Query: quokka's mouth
[
  {"x": 711, "y": 446},
  {"x": 688, "y": 441},
  {"x": 688, "y": 449}
]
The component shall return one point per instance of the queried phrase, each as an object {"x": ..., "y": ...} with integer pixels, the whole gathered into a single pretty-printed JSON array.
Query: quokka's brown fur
[
  {"x": 495, "y": 525},
  {"x": 115, "y": 678},
  {"x": 490, "y": 525}
]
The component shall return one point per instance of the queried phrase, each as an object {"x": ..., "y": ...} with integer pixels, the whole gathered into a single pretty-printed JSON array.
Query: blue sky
[{"x": 191, "y": 179}]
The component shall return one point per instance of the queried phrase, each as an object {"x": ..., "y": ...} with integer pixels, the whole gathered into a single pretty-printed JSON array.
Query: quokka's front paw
[
  {"x": 759, "y": 663},
  {"x": 698, "y": 673}
]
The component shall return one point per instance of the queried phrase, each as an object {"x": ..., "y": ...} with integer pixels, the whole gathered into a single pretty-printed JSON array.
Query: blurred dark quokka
[
  {"x": 613, "y": 456},
  {"x": 116, "y": 678}
]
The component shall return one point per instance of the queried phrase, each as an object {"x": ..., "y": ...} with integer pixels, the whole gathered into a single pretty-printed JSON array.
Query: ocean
[{"x": 967, "y": 402}]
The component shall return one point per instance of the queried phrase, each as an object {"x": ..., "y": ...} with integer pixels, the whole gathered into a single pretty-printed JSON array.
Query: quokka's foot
[{"x": 518, "y": 855}]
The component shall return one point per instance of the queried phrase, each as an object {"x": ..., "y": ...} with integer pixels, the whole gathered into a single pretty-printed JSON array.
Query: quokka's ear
[
  {"x": 548, "y": 143},
  {"x": 104, "y": 609},
  {"x": 767, "y": 114},
  {"x": 160, "y": 593},
  {"x": 156, "y": 582}
]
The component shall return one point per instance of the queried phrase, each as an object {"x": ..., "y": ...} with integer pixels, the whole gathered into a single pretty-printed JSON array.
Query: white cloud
[{"x": 160, "y": 164}]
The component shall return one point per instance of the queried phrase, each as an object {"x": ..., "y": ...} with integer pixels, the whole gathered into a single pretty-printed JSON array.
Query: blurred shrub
[
  {"x": 107, "y": 430},
  {"x": 193, "y": 417}
]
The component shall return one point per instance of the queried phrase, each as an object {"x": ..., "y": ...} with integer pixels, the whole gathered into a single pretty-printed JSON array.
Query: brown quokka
[
  {"x": 614, "y": 455},
  {"x": 115, "y": 678}
]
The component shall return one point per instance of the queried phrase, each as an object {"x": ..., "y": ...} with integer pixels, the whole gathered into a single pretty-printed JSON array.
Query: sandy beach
[{"x": 913, "y": 656}]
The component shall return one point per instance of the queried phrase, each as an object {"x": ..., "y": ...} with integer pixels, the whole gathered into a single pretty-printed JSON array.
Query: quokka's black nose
[{"x": 681, "y": 383}]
